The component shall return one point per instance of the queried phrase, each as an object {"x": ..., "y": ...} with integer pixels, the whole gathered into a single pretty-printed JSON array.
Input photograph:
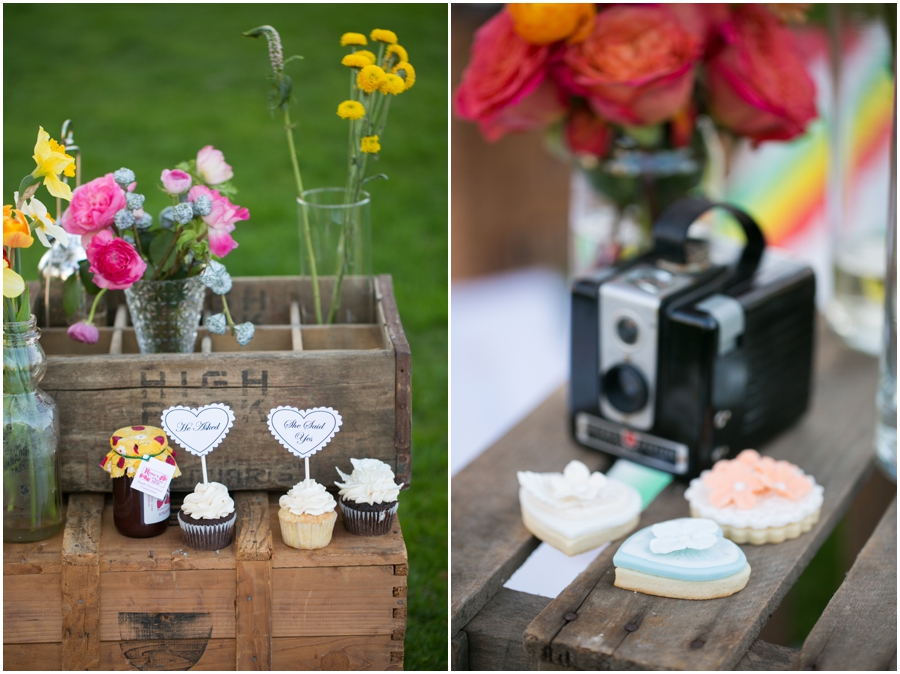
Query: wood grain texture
[
  {"x": 765, "y": 657},
  {"x": 858, "y": 629},
  {"x": 80, "y": 617},
  {"x": 357, "y": 653},
  {"x": 459, "y": 652},
  {"x": 32, "y": 608},
  {"x": 496, "y": 635},
  {"x": 252, "y": 535},
  {"x": 488, "y": 540},
  {"x": 833, "y": 442},
  {"x": 253, "y": 616},
  {"x": 34, "y": 657},
  {"x": 81, "y": 535},
  {"x": 174, "y": 654},
  {"x": 33, "y": 558}
]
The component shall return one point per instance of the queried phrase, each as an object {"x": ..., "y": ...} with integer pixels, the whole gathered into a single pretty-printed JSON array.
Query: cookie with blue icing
[{"x": 687, "y": 558}]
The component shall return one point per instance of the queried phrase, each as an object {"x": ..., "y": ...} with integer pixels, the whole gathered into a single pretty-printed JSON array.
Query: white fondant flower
[
  {"x": 687, "y": 532},
  {"x": 576, "y": 481}
]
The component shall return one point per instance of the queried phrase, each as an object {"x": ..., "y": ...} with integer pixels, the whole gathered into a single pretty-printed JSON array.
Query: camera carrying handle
[{"x": 670, "y": 233}]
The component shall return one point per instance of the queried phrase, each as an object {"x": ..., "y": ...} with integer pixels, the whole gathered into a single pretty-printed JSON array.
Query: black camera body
[{"x": 678, "y": 362}]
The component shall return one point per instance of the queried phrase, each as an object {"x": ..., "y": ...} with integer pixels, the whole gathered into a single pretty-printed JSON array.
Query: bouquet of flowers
[{"x": 124, "y": 245}]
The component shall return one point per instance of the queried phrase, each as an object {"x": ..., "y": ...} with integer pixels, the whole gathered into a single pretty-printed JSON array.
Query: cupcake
[
  {"x": 368, "y": 497},
  {"x": 207, "y": 517},
  {"x": 307, "y": 516},
  {"x": 756, "y": 499}
]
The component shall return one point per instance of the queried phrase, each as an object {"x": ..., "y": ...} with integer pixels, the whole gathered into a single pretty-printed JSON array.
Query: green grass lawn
[{"x": 148, "y": 85}]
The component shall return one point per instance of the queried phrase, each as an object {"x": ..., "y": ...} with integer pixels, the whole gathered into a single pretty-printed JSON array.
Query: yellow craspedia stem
[
  {"x": 51, "y": 160},
  {"x": 381, "y": 35},
  {"x": 357, "y": 60},
  {"x": 370, "y": 78},
  {"x": 16, "y": 233},
  {"x": 543, "y": 23},
  {"x": 354, "y": 39},
  {"x": 351, "y": 110},
  {"x": 398, "y": 51},
  {"x": 393, "y": 84},
  {"x": 405, "y": 70},
  {"x": 13, "y": 284},
  {"x": 369, "y": 144}
]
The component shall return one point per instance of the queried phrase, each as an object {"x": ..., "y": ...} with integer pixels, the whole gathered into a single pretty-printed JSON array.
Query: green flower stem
[
  {"x": 137, "y": 239},
  {"x": 227, "y": 312},
  {"x": 94, "y": 305},
  {"x": 168, "y": 252}
]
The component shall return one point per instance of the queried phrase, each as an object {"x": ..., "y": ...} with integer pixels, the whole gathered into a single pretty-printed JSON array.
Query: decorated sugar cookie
[
  {"x": 576, "y": 510},
  {"x": 687, "y": 558},
  {"x": 756, "y": 499}
]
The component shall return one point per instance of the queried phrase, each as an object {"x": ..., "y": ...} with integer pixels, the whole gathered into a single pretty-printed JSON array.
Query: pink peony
[
  {"x": 758, "y": 85},
  {"x": 94, "y": 206},
  {"x": 504, "y": 88},
  {"x": 637, "y": 66},
  {"x": 587, "y": 134},
  {"x": 220, "y": 220},
  {"x": 84, "y": 332},
  {"x": 212, "y": 167},
  {"x": 176, "y": 182},
  {"x": 115, "y": 263}
]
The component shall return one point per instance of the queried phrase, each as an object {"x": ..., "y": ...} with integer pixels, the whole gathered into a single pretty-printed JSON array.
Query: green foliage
[{"x": 72, "y": 294}]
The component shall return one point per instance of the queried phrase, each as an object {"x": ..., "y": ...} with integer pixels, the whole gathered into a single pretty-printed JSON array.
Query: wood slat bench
[{"x": 594, "y": 625}]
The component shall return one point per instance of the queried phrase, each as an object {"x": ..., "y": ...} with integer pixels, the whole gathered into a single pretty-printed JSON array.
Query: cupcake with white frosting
[
  {"x": 307, "y": 516},
  {"x": 207, "y": 517},
  {"x": 368, "y": 497}
]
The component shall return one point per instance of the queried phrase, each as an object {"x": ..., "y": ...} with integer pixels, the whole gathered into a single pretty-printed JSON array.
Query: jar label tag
[
  {"x": 153, "y": 478},
  {"x": 155, "y": 509}
]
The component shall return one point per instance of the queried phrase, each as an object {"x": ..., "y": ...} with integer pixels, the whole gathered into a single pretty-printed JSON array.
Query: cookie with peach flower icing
[{"x": 756, "y": 499}]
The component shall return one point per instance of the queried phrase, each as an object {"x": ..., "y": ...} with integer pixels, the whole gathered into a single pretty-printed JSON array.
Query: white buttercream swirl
[
  {"x": 210, "y": 501},
  {"x": 372, "y": 481},
  {"x": 310, "y": 498}
]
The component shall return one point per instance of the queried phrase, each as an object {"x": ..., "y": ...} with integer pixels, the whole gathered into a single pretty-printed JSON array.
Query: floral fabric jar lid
[{"x": 133, "y": 444}]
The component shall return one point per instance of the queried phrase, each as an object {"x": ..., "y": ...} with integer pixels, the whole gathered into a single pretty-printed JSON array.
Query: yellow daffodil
[
  {"x": 370, "y": 145},
  {"x": 353, "y": 39},
  {"x": 370, "y": 78},
  {"x": 13, "y": 284},
  {"x": 351, "y": 110},
  {"x": 393, "y": 84},
  {"x": 43, "y": 223},
  {"x": 398, "y": 51},
  {"x": 16, "y": 233},
  {"x": 52, "y": 160},
  {"x": 359, "y": 59},
  {"x": 407, "y": 72},
  {"x": 381, "y": 35}
]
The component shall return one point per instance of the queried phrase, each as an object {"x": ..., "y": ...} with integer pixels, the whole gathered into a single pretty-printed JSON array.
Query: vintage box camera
[{"x": 678, "y": 362}]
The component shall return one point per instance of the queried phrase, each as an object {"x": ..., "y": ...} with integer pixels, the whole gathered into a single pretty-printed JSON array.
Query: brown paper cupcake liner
[
  {"x": 207, "y": 536},
  {"x": 362, "y": 523}
]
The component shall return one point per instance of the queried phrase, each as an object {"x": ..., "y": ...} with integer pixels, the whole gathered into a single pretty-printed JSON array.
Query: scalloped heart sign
[
  {"x": 199, "y": 430},
  {"x": 304, "y": 432}
]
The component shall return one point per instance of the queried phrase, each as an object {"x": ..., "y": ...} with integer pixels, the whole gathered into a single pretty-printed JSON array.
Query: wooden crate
[
  {"x": 362, "y": 370},
  {"x": 90, "y": 598}
]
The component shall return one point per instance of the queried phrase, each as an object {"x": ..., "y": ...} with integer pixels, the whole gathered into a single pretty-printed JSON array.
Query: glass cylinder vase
[
  {"x": 336, "y": 254},
  {"x": 165, "y": 314},
  {"x": 32, "y": 499}
]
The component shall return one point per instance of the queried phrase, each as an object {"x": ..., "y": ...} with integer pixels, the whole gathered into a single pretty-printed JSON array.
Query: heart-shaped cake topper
[
  {"x": 304, "y": 432},
  {"x": 198, "y": 430}
]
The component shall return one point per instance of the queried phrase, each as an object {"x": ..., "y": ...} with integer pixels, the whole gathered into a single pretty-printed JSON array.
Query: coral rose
[
  {"x": 758, "y": 84},
  {"x": 504, "y": 88},
  {"x": 636, "y": 67},
  {"x": 94, "y": 206},
  {"x": 220, "y": 220},
  {"x": 587, "y": 134},
  {"x": 115, "y": 263}
]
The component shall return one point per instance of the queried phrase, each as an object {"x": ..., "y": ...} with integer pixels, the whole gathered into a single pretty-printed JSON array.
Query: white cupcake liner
[
  {"x": 364, "y": 523},
  {"x": 207, "y": 536},
  {"x": 307, "y": 535}
]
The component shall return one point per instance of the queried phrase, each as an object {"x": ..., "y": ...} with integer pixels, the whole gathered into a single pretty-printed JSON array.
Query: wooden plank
[
  {"x": 32, "y": 657},
  {"x": 858, "y": 629},
  {"x": 37, "y": 557},
  {"x": 766, "y": 657},
  {"x": 81, "y": 535},
  {"x": 32, "y": 608},
  {"x": 459, "y": 652},
  {"x": 252, "y": 536},
  {"x": 296, "y": 334},
  {"x": 115, "y": 344},
  {"x": 833, "y": 442},
  {"x": 488, "y": 539},
  {"x": 496, "y": 636},
  {"x": 354, "y": 653},
  {"x": 253, "y": 621},
  {"x": 194, "y": 653}
]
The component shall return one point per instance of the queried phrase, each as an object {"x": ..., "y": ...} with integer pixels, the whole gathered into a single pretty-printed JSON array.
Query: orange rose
[{"x": 547, "y": 22}]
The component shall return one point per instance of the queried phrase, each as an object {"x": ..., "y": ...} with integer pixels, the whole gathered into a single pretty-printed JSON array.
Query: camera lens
[
  {"x": 627, "y": 330},
  {"x": 625, "y": 388}
]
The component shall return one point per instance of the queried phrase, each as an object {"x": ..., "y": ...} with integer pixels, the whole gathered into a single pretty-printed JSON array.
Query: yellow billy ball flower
[
  {"x": 369, "y": 55},
  {"x": 380, "y": 35},
  {"x": 393, "y": 84},
  {"x": 357, "y": 60},
  {"x": 370, "y": 145},
  {"x": 51, "y": 160},
  {"x": 407, "y": 72},
  {"x": 370, "y": 78},
  {"x": 398, "y": 51},
  {"x": 351, "y": 110},
  {"x": 354, "y": 39},
  {"x": 543, "y": 23}
]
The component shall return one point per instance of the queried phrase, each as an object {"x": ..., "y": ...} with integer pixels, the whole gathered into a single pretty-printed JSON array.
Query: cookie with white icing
[
  {"x": 756, "y": 499},
  {"x": 576, "y": 510},
  {"x": 687, "y": 558}
]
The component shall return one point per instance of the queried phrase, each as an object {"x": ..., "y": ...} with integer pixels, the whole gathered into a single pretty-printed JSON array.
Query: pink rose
[
  {"x": 115, "y": 263},
  {"x": 212, "y": 167},
  {"x": 587, "y": 134},
  {"x": 502, "y": 87},
  {"x": 84, "y": 332},
  {"x": 94, "y": 206},
  {"x": 220, "y": 220},
  {"x": 637, "y": 66},
  {"x": 758, "y": 85},
  {"x": 176, "y": 182}
]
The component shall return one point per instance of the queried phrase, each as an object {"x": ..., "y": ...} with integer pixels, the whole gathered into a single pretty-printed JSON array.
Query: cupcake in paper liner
[
  {"x": 207, "y": 517},
  {"x": 307, "y": 516},
  {"x": 368, "y": 497}
]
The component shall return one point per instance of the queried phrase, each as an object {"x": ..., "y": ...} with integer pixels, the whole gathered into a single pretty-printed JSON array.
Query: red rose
[
  {"x": 758, "y": 84},
  {"x": 502, "y": 88},
  {"x": 115, "y": 263},
  {"x": 636, "y": 67},
  {"x": 586, "y": 133}
]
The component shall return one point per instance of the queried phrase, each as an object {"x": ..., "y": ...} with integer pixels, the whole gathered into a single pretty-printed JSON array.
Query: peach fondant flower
[
  {"x": 749, "y": 457},
  {"x": 733, "y": 482},
  {"x": 784, "y": 478}
]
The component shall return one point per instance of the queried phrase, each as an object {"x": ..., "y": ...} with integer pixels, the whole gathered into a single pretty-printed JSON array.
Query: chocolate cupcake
[
  {"x": 207, "y": 517},
  {"x": 368, "y": 497}
]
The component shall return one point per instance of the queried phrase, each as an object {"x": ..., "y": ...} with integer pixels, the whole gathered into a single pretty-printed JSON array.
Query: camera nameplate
[{"x": 652, "y": 451}]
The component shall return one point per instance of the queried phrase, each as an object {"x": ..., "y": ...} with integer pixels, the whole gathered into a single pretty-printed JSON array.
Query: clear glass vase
[
  {"x": 165, "y": 314},
  {"x": 335, "y": 252},
  {"x": 32, "y": 499}
]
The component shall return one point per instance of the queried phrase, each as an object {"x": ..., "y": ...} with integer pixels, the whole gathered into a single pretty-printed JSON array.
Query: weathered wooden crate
[
  {"x": 360, "y": 369},
  {"x": 90, "y": 598}
]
